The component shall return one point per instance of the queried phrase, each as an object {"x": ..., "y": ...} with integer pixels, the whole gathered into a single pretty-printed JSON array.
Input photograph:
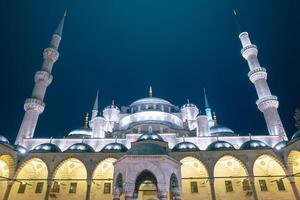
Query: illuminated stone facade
[{"x": 151, "y": 150}]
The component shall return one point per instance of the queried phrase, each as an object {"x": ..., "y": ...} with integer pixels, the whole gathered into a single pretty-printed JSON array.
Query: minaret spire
[
  {"x": 95, "y": 107},
  {"x": 150, "y": 91},
  {"x": 60, "y": 27},
  {"x": 208, "y": 110},
  {"x": 35, "y": 105},
  {"x": 205, "y": 99},
  {"x": 239, "y": 26},
  {"x": 266, "y": 103}
]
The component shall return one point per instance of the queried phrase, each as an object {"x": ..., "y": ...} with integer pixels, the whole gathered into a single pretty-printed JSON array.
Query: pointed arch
[
  {"x": 7, "y": 169},
  {"x": 270, "y": 178},
  {"x": 69, "y": 178},
  {"x": 195, "y": 179},
  {"x": 31, "y": 180},
  {"x": 231, "y": 178},
  {"x": 294, "y": 165},
  {"x": 102, "y": 179}
]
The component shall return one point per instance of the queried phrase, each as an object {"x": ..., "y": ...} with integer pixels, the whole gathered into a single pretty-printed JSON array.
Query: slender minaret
[
  {"x": 208, "y": 110},
  {"x": 266, "y": 103},
  {"x": 35, "y": 105},
  {"x": 95, "y": 107}
]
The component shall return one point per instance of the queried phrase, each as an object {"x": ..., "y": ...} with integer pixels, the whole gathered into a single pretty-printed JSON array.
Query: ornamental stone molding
[
  {"x": 43, "y": 76},
  {"x": 50, "y": 54},
  {"x": 249, "y": 50},
  {"x": 34, "y": 104},
  {"x": 257, "y": 74},
  {"x": 267, "y": 102}
]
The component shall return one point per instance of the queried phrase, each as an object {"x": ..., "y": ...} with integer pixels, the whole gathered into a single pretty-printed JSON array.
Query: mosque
[{"x": 151, "y": 149}]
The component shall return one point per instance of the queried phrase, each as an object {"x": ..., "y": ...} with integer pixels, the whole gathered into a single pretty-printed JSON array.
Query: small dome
[
  {"x": 80, "y": 147},
  {"x": 46, "y": 147},
  {"x": 185, "y": 146},
  {"x": 81, "y": 133},
  {"x": 220, "y": 145},
  {"x": 187, "y": 105},
  {"x": 150, "y": 136},
  {"x": 296, "y": 135},
  {"x": 112, "y": 106},
  {"x": 254, "y": 144},
  {"x": 20, "y": 149},
  {"x": 114, "y": 148},
  {"x": 280, "y": 145},
  {"x": 3, "y": 139},
  {"x": 147, "y": 149},
  {"x": 221, "y": 130}
]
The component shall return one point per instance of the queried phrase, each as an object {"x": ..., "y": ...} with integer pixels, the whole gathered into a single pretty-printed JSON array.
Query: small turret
[
  {"x": 111, "y": 113},
  {"x": 208, "y": 109}
]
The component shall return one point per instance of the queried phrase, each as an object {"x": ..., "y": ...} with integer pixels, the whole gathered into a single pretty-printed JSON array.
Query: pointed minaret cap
[
  {"x": 238, "y": 23},
  {"x": 60, "y": 26},
  {"x": 205, "y": 99},
  {"x": 150, "y": 91},
  {"x": 95, "y": 107}
]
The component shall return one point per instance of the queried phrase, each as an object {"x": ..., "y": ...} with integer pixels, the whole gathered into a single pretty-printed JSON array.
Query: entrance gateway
[{"x": 147, "y": 172}]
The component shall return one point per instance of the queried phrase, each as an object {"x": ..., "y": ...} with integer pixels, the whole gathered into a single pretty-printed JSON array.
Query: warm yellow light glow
[
  {"x": 31, "y": 173},
  {"x": 192, "y": 170},
  {"x": 4, "y": 172},
  {"x": 103, "y": 175}
]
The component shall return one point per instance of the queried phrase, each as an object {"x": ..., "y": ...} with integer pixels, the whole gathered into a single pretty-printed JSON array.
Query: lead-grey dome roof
[
  {"x": 81, "y": 132},
  {"x": 185, "y": 146},
  {"x": 147, "y": 149},
  {"x": 3, "y": 139},
  {"x": 280, "y": 145},
  {"x": 150, "y": 136},
  {"x": 151, "y": 100},
  {"x": 20, "y": 149},
  {"x": 114, "y": 148},
  {"x": 80, "y": 147},
  {"x": 221, "y": 130},
  {"x": 46, "y": 147},
  {"x": 296, "y": 135},
  {"x": 254, "y": 144},
  {"x": 220, "y": 145}
]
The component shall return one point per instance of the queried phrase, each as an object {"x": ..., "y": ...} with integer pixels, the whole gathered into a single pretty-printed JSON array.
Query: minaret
[
  {"x": 208, "y": 110},
  {"x": 35, "y": 105},
  {"x": 95, "y": 107},
  {"x": 266, "y": 103}
]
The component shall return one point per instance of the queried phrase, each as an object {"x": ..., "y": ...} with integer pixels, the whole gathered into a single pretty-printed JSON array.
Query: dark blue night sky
[{"x": 123, "y": 46}]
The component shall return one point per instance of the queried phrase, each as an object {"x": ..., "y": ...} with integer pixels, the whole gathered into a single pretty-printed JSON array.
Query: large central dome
[{"x": 151, "y": 100}]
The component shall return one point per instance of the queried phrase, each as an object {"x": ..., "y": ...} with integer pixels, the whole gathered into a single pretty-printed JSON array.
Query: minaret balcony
[
  {"x": 34, "y": 104},
  {"x": 43, "y": 76},
  {"x": 51, "y": 54},
  {"x": 257, "y": 74},
  {"x": 267, "y": 102},
  {"x": 249, "y": 50}
]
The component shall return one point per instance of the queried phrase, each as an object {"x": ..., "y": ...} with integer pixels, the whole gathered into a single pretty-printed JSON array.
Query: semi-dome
[
  {"x": 147, "y": 149},
  {"x": 80, "y": 147},
  {"x": 46, "y": 147},
  {"x": 185, "y": 146},
  {"x": 151, "y": 100},
  {"x": 254, "y": 144},
  {"x": 296, "y": 135},
  {"x": 280, "y": 145},
  {"x": 81, "y": 133},
  {"x": 150, "y": 136},
  {"x": 114, "y": 148},
  {"x": 3, "y": 139},
  {"x": 20, "y": 149},
  {"x": 220, "y": 145},
  {"x": 221, "y": 131}
]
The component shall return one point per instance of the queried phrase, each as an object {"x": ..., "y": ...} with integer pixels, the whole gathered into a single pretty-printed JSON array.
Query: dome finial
[
  {"x": 150, "y": 91},
  {"x": 86, "y": 120},
  {"x": 215, "y": 119},
  {"x": 205, "y": 98},
  {"x": 187, "y": 100},
  {"x": 116, "y": 138},
  {"x": 250, "y": 136},
  {"x": 51, "y": 140},
  {"x": 113, "y": 102}
]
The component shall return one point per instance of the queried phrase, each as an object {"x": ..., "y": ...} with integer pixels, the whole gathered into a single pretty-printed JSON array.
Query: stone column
[
  {"x": 88, "y": 189},
  {"x": 252, "y": 184},
  {"x": 294, "y": 187},
  {"x": 162, "y": 195},
  {"x": 212, "y": 189},
  {"x": 129, "y": 191},
  {"x": 8, "y": 189},
  {"x": 48, "y": 190}
]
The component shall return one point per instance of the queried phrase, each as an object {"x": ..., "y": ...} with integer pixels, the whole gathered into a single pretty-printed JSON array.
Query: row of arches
[{"x": 231, "y": 179}]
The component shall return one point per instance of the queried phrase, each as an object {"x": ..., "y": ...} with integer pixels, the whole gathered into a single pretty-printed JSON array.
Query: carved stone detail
[
  {"x": 51, "y": 55},
  {"x": 43, "y": 76},
  {"x": 267, "y": 102},
  {"x": 34, "y": 104},
  {"x": 257, "y": 74}
]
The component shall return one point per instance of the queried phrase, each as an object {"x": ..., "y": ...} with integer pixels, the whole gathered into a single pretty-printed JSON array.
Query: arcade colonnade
[{"x": 137, "y": 177}]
